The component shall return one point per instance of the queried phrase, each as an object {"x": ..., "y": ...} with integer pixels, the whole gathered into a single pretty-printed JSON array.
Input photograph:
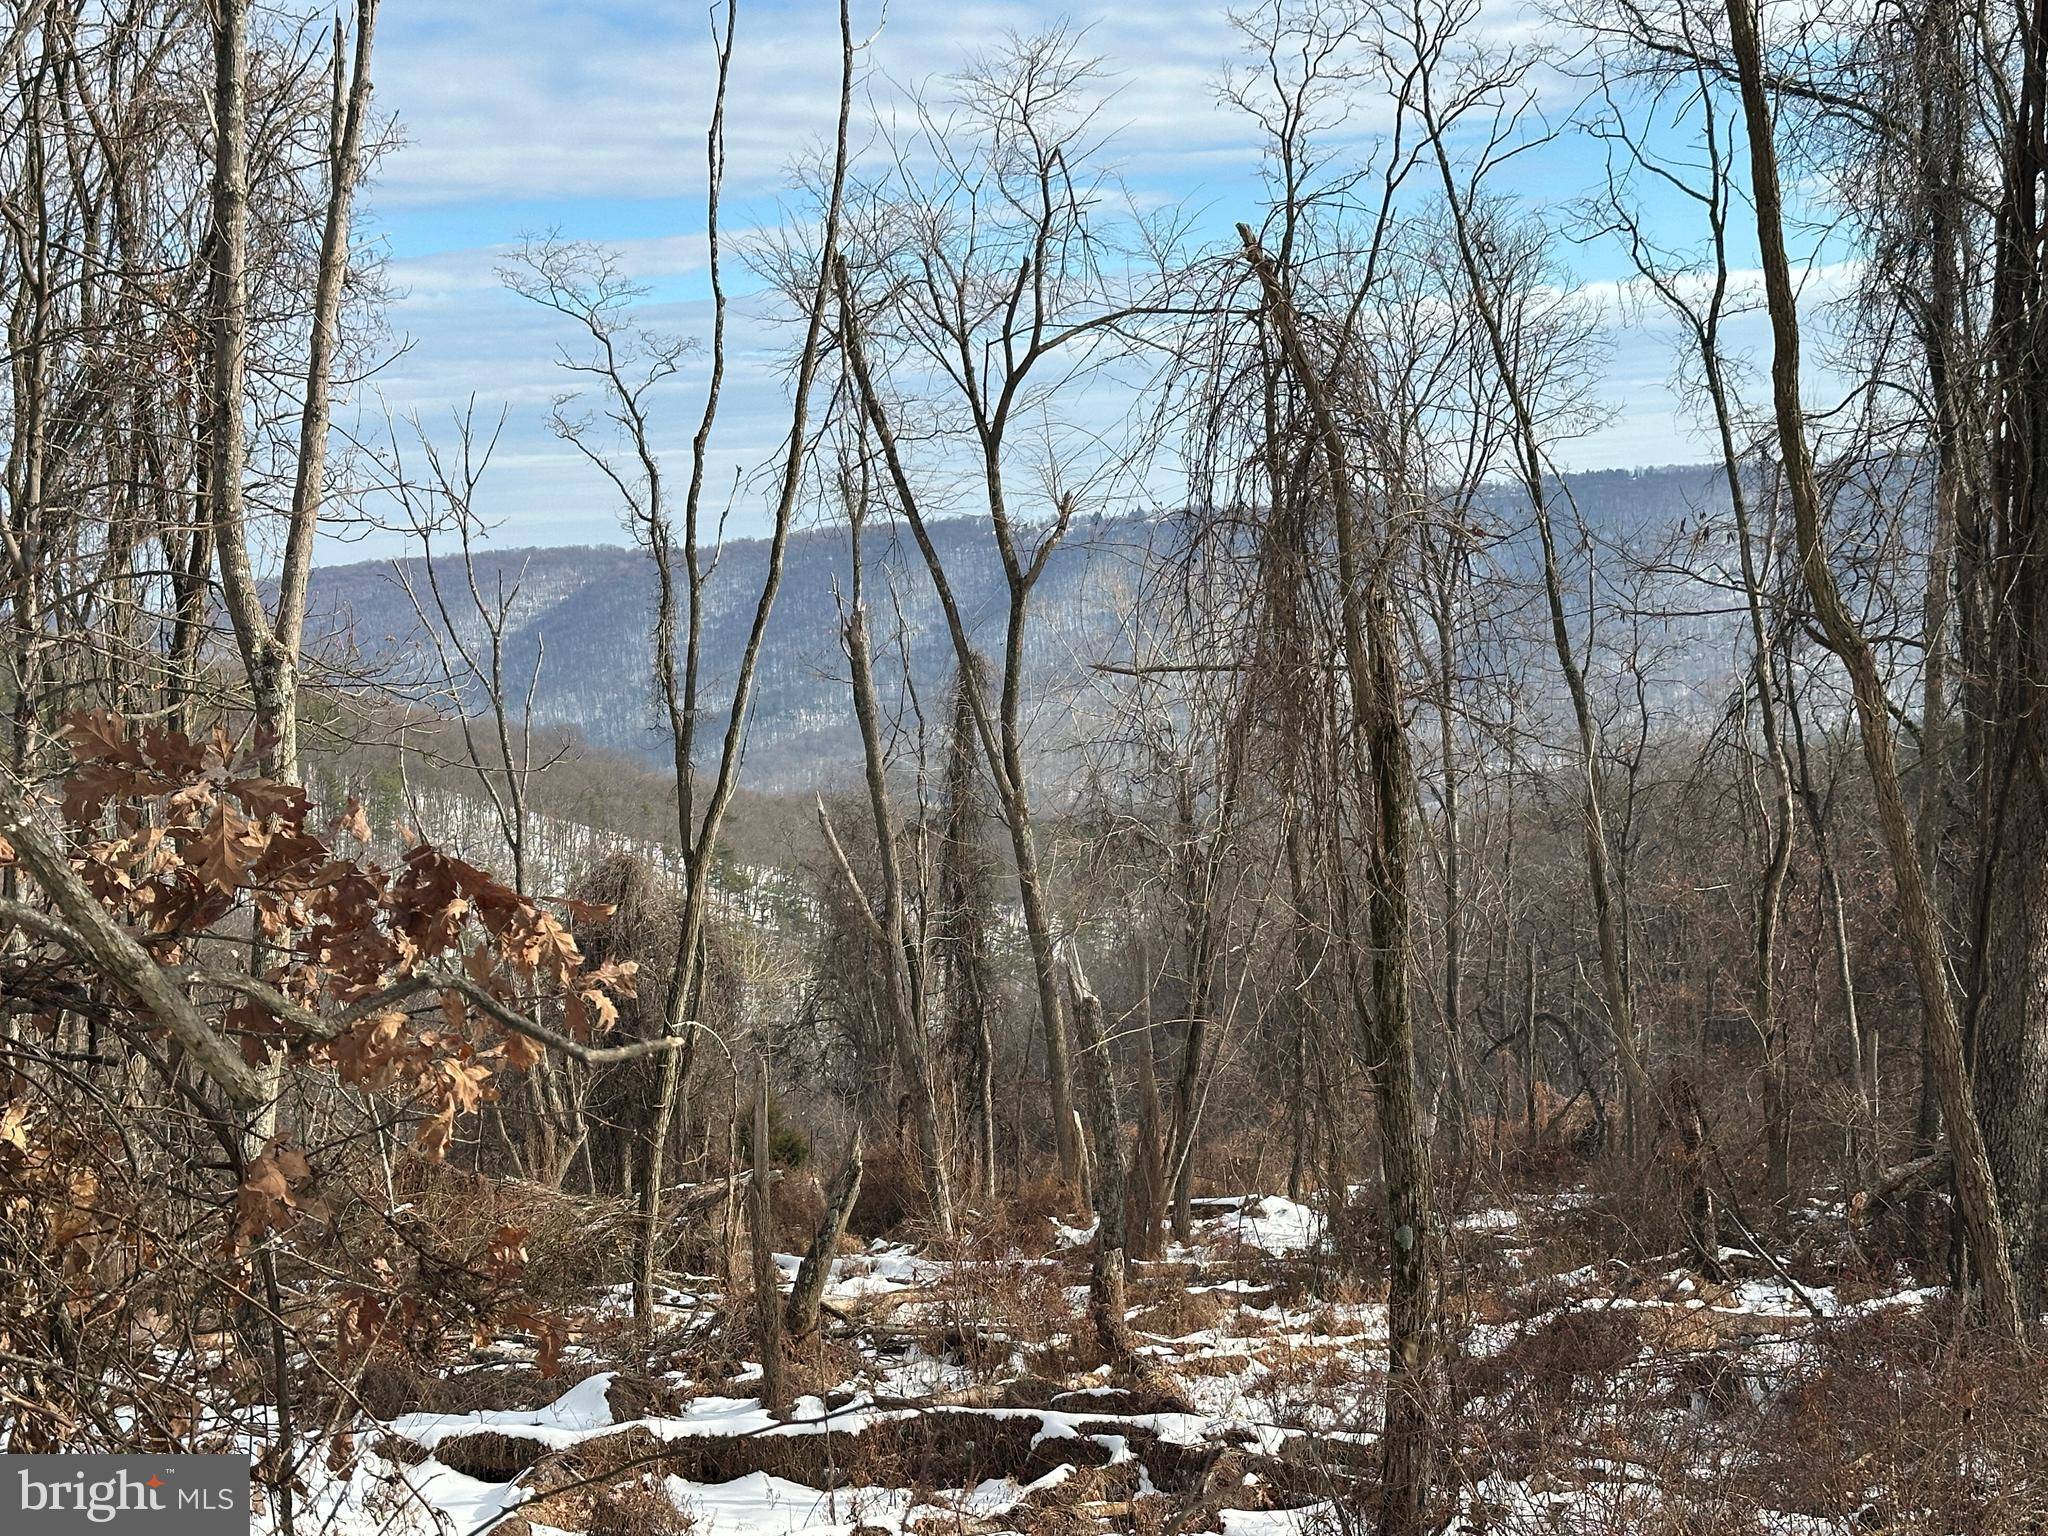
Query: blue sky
[{"x": 521, "y": 116}]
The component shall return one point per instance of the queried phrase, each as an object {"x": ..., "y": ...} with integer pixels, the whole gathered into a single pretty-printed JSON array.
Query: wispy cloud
[
  {"x": 531, "y": 100},
  {"x": 531, "y": 115}
]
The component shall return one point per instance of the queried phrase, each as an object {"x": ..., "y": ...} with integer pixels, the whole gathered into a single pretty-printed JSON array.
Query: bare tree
[
  {"x": 628, "y": 363},
  {"x": 1492, "y": 91},
  {"x": 1700, "y": 301},
  {"x": 962, "y": 937},
  {"x": 1976, "y": 1193},
  {"x": 884, "y": 912},
  {"x": 1106, "y": 1303},
  {"x": 1378, "y": 731},
  {"x": 270, "y": 644},
  {"x": 999, "y": 296}
]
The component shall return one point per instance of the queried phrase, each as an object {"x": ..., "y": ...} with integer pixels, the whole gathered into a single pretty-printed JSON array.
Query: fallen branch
[
  {"x": 1922, "y": 1173},
  {"x": 693, "y": 1200}
]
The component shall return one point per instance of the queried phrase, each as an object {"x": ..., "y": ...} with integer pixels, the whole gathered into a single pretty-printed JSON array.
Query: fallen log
[
  {"x": 1922, "y": 1173},
  {"x": 686, "y": 1202}
]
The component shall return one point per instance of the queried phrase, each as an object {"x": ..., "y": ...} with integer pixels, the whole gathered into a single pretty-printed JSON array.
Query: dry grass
[{"x": 1621, "y": 1403}]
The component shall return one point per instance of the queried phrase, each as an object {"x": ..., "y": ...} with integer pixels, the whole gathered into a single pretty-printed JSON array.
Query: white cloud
[
  {"x": 534, "y": 99},
  {"x": 526, "y": 114}
]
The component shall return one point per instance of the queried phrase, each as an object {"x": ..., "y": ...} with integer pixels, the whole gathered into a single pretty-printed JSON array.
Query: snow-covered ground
[{"x": 957, "y": 1396}]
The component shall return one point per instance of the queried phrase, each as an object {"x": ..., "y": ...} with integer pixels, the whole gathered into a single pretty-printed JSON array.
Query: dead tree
[
  {"x": 1378, "y": 735},
  {"x": 990, "y": 286},
  {"x": 1106, "y": 1304},
  {"x": 963, "y": 922},
  {"x": 1487, "y": 282},
  {"x": 814, "y": 1272},
  {"x": 1698, "y": 301},
  {"x": 270, "y": 643}
]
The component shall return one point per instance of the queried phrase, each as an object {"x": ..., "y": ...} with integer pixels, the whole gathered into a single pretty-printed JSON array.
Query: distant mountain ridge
[{"x": 585, "y": 614}]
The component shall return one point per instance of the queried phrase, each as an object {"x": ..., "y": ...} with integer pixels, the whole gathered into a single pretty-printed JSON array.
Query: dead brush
[
  {"x": 1333, "y": 1306},
  {"x": 1237, "y": 1158},
  {"x": 1903, "y": 1423},
  {"x": 818, "y": 1364},
  {"x": 1552, "y": 1153},
  {"x": 1320, "y": 1388},
  {"x": 575, "y": 1245},
  {"x": 1070, "y": 1507},
  {"x": 1598, "y": 1458},
  {"x": 1021, "y": 1223},
  {"x": 598, "y": 1483},
  {"x": 1330, "y": 1402},
  {"x": 1169, "y": 1310},
  {"x": 797, "y": 1200},
  {"x": 1891, "y": 1422},
  {"x": 856, "y": 1505},
  {"x": 892, "y": 1199},
  {"x": 1615, "y": 1215},
  {"x": 683, "y": 1339},
  {"x": 392, "y": 1383},
  {"x": 989, "y": 1313},
  {"x": 640, "y": 1507},
  {"x": 1547, "y": 1386},
  {"x": 637, "y": 1395}
]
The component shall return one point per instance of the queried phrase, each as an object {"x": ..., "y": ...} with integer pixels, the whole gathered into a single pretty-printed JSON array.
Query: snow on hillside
[{"x": 954, "y": 1398}]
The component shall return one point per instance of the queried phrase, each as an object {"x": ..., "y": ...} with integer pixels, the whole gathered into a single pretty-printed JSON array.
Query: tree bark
[
  {"x": 767, "y": 1302},
  {"x": 1977, "y": 1196},
  {"x": 1608, "y": 915},
  {"x": 1106, "y": 1292},
  {"x": 698, "y": 834},
  {"x": 913, "y": 1060},
  {"x": 1379, "y": 736},
  {"x": 807, "y": 1294}
]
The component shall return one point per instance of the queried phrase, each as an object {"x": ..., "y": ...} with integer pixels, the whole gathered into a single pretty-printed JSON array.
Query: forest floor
[{"x": 955, "y": 1396}]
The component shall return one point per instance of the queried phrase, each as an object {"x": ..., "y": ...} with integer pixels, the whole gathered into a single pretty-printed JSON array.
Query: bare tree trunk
[
  {"x": 272, "y": 678},
  {"x": 1038, "y": 929},
  {"x": 1977, "y": 1197},
  {"x": 228, "y": 432},
  {"x": 1529, "y": 1048},
  {"x": 344, "y": 171},
  {"x": 2011, "y": 1032},
  {"x": 807, "y": 1294},
  {"x": 1864, "y": 1149},
  {"x": 1379, "y": 735},
  {"x": 1776, "y": 818},
  {"x": 767, "y": 1303},
  {"x": 1198, "y": 930},
  {"x": 270, "y": 647},
  {"x": 887, "y": 926},
  {"x": 965, "y": 918},
  {"x": 1149, "y": 1159},
  {"x": 1702, "y": 1227},
  {"x": 699, "y": 835},
  {"x": 1001, "y": 742},
  {"x": 2009, "y": 1022},
  {"x": 1106, "y": 1304},
  {"x": 990, "y": 312},
  {"x": 1443, "y": 603}
]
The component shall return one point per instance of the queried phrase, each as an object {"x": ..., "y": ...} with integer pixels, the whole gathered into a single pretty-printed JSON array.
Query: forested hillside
[{"x": 581, "y": 622}]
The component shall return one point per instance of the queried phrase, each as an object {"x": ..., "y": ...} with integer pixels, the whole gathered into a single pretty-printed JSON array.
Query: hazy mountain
[{"x": 584, "y": 614}]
